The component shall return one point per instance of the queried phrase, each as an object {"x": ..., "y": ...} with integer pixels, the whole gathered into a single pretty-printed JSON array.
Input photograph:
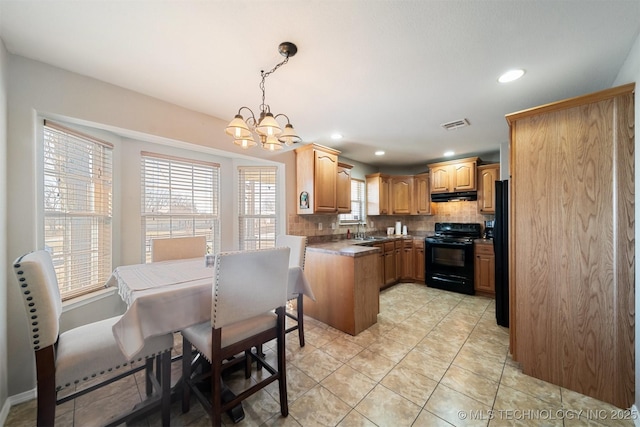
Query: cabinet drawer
[
  {"x": 418, "y": 244},
  {"x": 398, "y": 244},
  {"x": 389, "y": 246}
]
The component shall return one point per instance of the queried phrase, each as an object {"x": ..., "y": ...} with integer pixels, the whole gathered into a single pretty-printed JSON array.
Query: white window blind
[
  {"x": 180, "y": 198},
  {"x": 357, "y": 204},
  {"x": 257, "y": 195},
  {"x": 77, "y": 208}
]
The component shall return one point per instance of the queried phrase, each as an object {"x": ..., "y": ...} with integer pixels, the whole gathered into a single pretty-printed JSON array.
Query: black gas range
[{"x": 449, "y": 261}]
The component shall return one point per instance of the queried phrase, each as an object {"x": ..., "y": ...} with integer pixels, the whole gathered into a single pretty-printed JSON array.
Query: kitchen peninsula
[{"x": 345, "y": 278}]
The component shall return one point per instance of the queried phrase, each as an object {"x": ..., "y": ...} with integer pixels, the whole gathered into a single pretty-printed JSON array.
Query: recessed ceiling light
[
  {"x": 511, "y": 75},
  {"x": 449, "y": 153},
  {"x": 379, "y": 153},
  {"x": 336, "y": 136}
]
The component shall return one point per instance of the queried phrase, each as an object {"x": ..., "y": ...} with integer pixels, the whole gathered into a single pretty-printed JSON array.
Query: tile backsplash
[{"x": 309, "y": 225}]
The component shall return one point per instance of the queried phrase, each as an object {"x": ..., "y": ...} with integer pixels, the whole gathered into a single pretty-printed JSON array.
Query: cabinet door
[
  {"x": 484, "y": 270},
  {"x": 486, "y": 188},
  {"x": 401, "y": 195},
  {"x": 343, "y": 189},
  {"x": 377, "y": 194},
  {"x": 440, "y": 176},
  {"x": 326, "y": 175},
  {"x": 384, "y": 195},
  {"x": 407, "y": 261},
  {"x": 464, "y": 176},
  {"x": 418, "y": 264},
  {"x": 390, "y": 276},
  {"x": 422, "y": 199},
  {"x": 381, "y": 262}
]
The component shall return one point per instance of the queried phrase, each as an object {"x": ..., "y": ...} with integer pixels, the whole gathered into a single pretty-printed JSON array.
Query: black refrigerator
[{"x": 501, "y": 252}]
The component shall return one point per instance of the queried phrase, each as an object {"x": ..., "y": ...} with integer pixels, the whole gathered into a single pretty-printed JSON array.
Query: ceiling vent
[{"x": 455, "y": 124}]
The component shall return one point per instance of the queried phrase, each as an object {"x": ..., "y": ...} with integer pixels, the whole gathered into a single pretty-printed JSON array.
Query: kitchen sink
[{"x": 375, "y": 238}]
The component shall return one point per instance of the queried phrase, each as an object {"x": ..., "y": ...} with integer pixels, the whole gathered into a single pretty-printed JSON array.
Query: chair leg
[
  {"x": 282, "y": 368},
  {"x": 166, "y": 388},
  {"x": 300, "y": 320},
  {"x": 46, "y": 386},
  {"x": 186, "y": 374},
  {"x": 216, "y": 379},
  {"x": 261, "y": 354},
  {"x": 148, "y": 371},
  {"x": 247, "y": 363}
]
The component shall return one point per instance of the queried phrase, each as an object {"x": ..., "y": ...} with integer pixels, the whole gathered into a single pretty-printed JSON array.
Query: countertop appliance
[
  {"x": 449, "y": 262},
  {"x": 501, "y": 252}
]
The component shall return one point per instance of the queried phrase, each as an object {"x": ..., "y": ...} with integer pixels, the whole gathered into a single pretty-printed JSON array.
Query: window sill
[{"x": 87, "y": 298}]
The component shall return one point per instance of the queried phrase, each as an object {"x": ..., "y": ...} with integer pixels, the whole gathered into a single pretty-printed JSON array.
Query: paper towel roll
[
  {"x": 404, "y": 230},
  {"x": 398, "y": 227}
]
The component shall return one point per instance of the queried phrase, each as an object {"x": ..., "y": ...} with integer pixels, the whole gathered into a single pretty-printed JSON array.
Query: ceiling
[{"x": 384, "y": 74}]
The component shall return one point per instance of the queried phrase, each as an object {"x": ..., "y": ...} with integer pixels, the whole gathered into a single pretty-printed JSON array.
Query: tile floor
[{"x": 434, "y": 358}]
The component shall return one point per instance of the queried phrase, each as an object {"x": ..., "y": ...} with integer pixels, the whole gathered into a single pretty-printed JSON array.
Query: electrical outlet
[{"x": 319, "y": 226}]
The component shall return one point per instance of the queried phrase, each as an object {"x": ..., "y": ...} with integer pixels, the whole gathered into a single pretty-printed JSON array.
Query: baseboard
[{"x": 15, "y": 400}]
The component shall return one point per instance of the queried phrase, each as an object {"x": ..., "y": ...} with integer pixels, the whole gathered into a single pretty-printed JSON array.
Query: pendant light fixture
[{"x": 269, "y": 132}]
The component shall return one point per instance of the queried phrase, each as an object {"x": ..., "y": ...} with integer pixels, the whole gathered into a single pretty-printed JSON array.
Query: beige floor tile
[
  {"x": 318, "y": 365},
  {"x": 364, "y": 339},
  {"x": 390, "y": 348},
  {"x": 409, "y": 384},
  {"x": 371, "y": 364},
  {"x": 476, "y": 363},
  {"x": 298, "y": 383},
  {"x": 349, "y": 385},
  {"x": 514, "y": 378},
  {"x": 436, "y": 347},
  {"x": 423, "y": 364},
  {"x": 473, "y": 385},
  {"x": 386, "y": 408},
  {"x": 407, "y": 334},
  {"x": 319, "y": 407},
  {"x": 517, "y": 408},
  {"x": 355, "y": 419},
  {"x": 427, "y": 419},
  {"x": 595, "y": 411},
  {"x": 341, "y": 349},
  {"x": 457, "y": 408}
]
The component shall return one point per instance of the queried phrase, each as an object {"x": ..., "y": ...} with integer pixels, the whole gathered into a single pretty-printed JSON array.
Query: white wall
[
  {"x": 35, "y": 89},
  {"x": 4, "y": 408},
  {"x": 630, "y": 72}
]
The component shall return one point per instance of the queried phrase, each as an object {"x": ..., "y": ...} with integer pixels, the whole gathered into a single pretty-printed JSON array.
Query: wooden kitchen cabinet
[
  {"x": 390, "y": 275},
  {"x": 343, "y": 190},
  {"x": 418, "y": 263},
  {"x": 377, "y": 194},
  {"x": 380, "y": 276},
  {"x": 407, "y": 260},
  {"x": 422, "y": 195},
  {"x": 453, "y": 176},
  {"x": 316, "y": 178},
  {"x": 571, "y": 249},
  {"x": 401, "y": 192},
  {"x": 487, "y": 176},
  {"x": 484, "y": 269}
]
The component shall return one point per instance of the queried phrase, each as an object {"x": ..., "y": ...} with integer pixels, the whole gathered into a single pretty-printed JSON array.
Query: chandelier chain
[{"x": 264, "y": 76}]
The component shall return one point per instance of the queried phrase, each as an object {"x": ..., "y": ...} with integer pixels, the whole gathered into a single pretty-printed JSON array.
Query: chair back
[
  {"x": 298, "y": 246},
  {"x": 247, "y": 284},
  {"x": 178, "y": 248},
  {"x": 41, "y": 295}
]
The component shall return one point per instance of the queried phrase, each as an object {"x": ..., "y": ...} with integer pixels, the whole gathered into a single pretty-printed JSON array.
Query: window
[
  {"x": 257, "y": 195},
  {"x": 77, "y": 172},
  {"x": 180, "y": 198},
  {"x": 357, "y": 204}
]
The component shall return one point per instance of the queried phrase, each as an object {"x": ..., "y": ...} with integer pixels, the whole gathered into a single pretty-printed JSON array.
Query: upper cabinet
[
  {"x": 422, "y": 197},
  {"x": 401, "y": 195},
  {"x": 487, "y": 176},
  {"x": 343, "y": 191},
  {"x": 453, "y": 176},
  {"x": 317, "y": 179},
  {"x": 377, "y": 194}
]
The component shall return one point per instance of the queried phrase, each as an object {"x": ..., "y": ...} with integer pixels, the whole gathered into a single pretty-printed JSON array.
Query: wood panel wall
[{"x": 572, "y": 247}]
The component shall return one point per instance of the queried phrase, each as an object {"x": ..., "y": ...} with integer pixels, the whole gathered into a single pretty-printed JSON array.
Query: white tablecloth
[{"x": 168, "y": 296}]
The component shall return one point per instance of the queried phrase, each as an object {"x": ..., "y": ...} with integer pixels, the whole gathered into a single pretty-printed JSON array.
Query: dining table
[{"x": 168, "y": 296}]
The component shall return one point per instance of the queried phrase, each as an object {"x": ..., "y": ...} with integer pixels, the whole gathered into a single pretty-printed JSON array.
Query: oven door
[{"x": 449, "y": 266}]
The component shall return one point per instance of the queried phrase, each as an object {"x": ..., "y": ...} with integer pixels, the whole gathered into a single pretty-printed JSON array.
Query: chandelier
[{"x": 269, "y": 132}]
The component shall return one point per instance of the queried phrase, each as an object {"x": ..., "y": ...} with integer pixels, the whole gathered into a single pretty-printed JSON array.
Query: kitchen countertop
[
  {"x": 355, "y": 247},
  {"x": 483, "y": 241}
]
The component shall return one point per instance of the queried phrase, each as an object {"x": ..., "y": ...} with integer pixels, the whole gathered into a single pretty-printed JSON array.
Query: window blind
[
  {"x": 180, "y": 197},
  {"x": 77, "y": 208},
  {"x": 357, "y": 204},
  {"x": 258, "y": 199}
]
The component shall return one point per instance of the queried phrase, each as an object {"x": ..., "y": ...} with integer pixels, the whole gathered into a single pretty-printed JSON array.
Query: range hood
[{"x": 454, "y": 197}]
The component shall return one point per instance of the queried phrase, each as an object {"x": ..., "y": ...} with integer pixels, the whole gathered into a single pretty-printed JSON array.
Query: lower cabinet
[
  {"x": 390, "y": 264},
  {"x": 407, "y": 272},
  {"x": 485, "y": 269},
  {"x": 418, "y": 263}
]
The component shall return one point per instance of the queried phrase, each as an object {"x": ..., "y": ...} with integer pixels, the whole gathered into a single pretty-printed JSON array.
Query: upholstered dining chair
[
  {"x": 178, "y": 248},
  {"x": 298, "y": 246},
  {"x": 81, "y": 354},
  {"x": 248, "y": 298}
]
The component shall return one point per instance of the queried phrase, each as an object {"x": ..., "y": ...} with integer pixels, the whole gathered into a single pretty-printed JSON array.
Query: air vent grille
[{"x": 455, "y": 124}]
